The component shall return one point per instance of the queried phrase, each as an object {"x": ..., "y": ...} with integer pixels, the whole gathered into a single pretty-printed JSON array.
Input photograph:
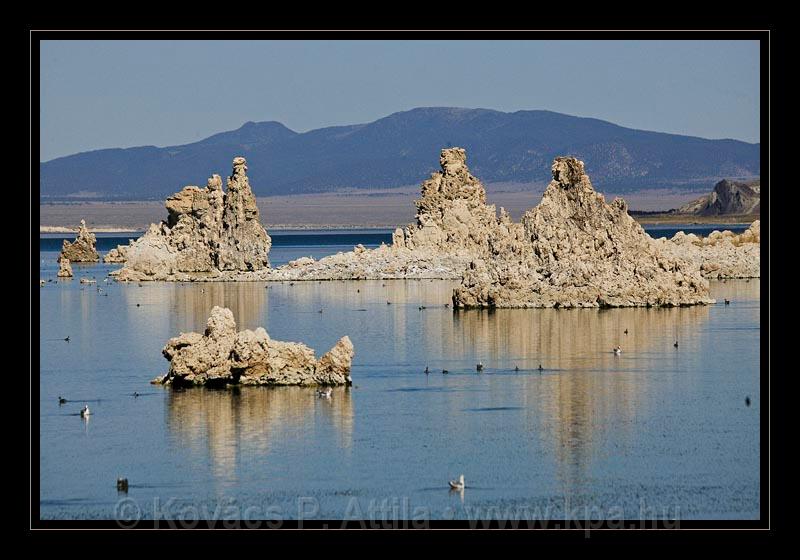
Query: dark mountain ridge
[{"x": 402, "y": 149}]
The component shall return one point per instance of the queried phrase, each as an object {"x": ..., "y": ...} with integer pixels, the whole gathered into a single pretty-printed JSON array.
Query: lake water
[{"x": 656, "y": 432}]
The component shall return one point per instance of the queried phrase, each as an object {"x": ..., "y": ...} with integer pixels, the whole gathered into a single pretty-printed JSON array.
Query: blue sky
[{"x": 102, "y": 94}]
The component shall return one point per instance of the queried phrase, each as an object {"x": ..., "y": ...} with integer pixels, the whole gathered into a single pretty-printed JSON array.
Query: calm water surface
[{"x": 654, "y": 432}]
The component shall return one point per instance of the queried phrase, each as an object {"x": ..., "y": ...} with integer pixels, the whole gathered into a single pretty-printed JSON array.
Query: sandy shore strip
[{"x": 343, "y": 211}]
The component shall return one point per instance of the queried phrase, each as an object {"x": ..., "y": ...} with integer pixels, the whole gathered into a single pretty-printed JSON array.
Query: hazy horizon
[{"x": 120, "y": 94}]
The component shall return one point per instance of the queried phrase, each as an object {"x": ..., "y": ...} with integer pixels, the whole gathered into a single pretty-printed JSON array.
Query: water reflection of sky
[{"x": 655, "y": 422}]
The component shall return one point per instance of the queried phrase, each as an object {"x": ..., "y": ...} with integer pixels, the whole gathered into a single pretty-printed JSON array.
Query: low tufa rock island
[
  {"x": 83, "y": 249},
  {"x": 575, "y": 250},
  {"x": 223, "y": 356},
  {"x": 209, "y": 234},
  {"x": 64, "y": 268}
]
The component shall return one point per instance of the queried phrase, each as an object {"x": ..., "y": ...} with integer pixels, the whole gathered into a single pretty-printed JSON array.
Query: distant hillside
[
  {"x": 728, "y": 197},
  {"x": 402, "y": 149}
]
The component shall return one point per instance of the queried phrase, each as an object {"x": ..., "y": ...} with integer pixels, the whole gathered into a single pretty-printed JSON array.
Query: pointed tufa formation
[
  {"x": 64, "y": 268},
  {"x": 222, "y": 356},
  {"x": 83, "y": 249},
  {"x": 452, "y": 214},
  {"x": 575, "y": 250},
  {"x": 452, "y": 228},
  {"x": 209, "y": 234}
]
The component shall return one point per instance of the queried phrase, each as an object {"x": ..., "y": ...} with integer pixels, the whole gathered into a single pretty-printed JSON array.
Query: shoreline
[{"x": 656, "y": 219}]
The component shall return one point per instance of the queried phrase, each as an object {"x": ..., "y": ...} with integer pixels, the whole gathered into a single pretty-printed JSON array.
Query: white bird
[
  {"x": 85, "y": 410},
  {"x": 457, "y": 484},
  {"x": 326, "y": 394},
  {"x": 617, "y": 350}
]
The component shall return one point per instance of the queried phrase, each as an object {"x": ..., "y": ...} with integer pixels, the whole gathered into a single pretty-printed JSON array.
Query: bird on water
[
  {"x": 541, "y": 368},
  {"x": 479, "y": 367},
  {"x": 61, "y": 400},
  {"x": 445, "y": 371},
  {"x": 626, "y": 331},
  {"x": 427, "y": 371},
  {"x": 747, "y": 401},
  {"x": 618, "y": 350},
  {"x": 85, "y": 411},
  {"x": 457, "y": 484},
  {"x": 676, "y": 344},
  {"x": 326, "y": 394}
]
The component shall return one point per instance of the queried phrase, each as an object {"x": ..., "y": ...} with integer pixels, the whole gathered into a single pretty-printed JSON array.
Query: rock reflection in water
[
  {"x": 186, "y": 307},
  {"x": 232, "y": 425}
]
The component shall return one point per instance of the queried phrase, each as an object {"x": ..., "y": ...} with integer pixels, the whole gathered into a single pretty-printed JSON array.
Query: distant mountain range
[
  {"x": 403, "y": 149},
  {"x": 728, "y": 197}
]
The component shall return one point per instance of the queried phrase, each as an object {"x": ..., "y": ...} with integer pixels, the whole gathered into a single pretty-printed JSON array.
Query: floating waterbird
[
  {"x": 138, "y": 305},
  {"x": 727, "y": 301},
  {"x": 516, "y": 368},
  {"x": 541, "y": 368},
  {"x": 446, "y": 305},
  {"x": 427, "y": 371},
  {"x": 617, "y": 350},
  {"x": 457, "y": 484},
  {"x": 626, "y": 331},
  {"x": 445, "y": 371},
  {"x": 66, "y": 339},
  {"x": 61, "y": 400},
  {"x": 320, "y": 311},
  {"x": 122, "y": 484},
  {"x": 349, "y": 380},
  {"x": 479, "y": 367},
  {"x": 326, "y": 394},
  {"x": 135, "y": 395},
  {"x": 85, "y": 411},
  {"x": 388, "y": 303},
  {"x": 676, "y": 344},
  {"x": 747, "y": 401},
  {"x": 421, "y": 307}
]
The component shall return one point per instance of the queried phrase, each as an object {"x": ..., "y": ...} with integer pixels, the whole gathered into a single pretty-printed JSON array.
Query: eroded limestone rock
[
  {"x": 64, "y": 268},
  {"x": 453, "y": 226},
  {"x": 83, "y": 249},
  {"x": 221, "y": 355},
  {"x": 575, "y": 250},
  {"x": 208, "y": 234}
]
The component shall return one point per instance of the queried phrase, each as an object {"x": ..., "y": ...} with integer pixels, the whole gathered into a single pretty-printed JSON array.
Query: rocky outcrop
[
  {"x": 83, "y": 249},
  {"x": 222, "y": 356},
  {"x": 721, "y": 254},
  {"x": 575, "y": 250},
  {"x": 64, "y": 268},
  {"x": 452, "y": 214},
  {"x": 728, "y": 197},
  {"x": 118, "y": 254},
  {"x": 453, "y": 226},
  {"x": 209, "y": 234}
]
